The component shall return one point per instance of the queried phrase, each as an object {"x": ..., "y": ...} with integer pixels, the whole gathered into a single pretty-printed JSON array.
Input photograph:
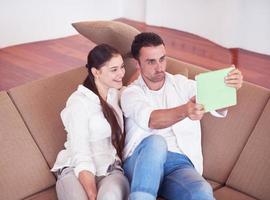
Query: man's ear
[
  {"x": 138, "y": 66},
  {"x": 95, "y": 72}
]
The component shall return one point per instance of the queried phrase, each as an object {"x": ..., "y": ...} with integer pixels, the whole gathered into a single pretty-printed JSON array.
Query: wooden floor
[{"x": 23, "y": 63}]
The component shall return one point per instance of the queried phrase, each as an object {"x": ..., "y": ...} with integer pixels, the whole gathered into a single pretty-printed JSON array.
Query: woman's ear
[{"x": 95, "y": 72}]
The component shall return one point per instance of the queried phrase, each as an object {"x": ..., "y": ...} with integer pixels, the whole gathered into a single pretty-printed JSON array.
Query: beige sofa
[{"x": 236, "y": 149}]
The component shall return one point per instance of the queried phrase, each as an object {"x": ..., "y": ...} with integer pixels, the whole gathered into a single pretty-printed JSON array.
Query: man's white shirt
[{"x": 138, "y": 102}]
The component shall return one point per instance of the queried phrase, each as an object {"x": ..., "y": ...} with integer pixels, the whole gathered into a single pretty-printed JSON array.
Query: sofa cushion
[
  {"x": 177, "y": 67},
  {"x": 226, "y": 193},
  {"x": 48, "y": 194},
  {"x": 251, "y": 173},
  {"x": 131, "y": 70},
  {"x": 223, "y": 139},
  {"x": 24, "y": 170},
  {"x": 193, "y": 70},
  {"x": 215, "y": 185},
  {"x": 116, "y": 34},
  {"x": 40, "y": 104}
]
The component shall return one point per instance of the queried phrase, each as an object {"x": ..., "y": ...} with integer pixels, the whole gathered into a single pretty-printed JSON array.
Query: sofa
[{"x": 236, "y": 148}]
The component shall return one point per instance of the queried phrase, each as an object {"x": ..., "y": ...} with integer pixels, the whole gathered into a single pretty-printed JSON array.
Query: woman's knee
[
  {"x": 111, "y": 196},
  {"x": 115, "y": 192},
  {"x": 114, "y": 187},
  {"x": 68, "y": 187}
]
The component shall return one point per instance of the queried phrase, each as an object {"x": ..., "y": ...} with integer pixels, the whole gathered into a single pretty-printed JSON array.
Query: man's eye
[{"x": 151, "y": 62}]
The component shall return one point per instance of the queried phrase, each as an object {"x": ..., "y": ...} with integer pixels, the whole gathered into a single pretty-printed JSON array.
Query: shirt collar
[
  {"x": 168, "y": 79},
  {"x": 90, "y": 94}
]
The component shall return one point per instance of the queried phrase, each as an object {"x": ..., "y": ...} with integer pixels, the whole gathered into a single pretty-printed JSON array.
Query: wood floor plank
[{"x": 27, "y": 62}]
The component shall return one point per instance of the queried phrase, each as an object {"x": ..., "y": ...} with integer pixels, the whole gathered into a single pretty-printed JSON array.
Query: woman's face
[{"x": 111, "y": 74}]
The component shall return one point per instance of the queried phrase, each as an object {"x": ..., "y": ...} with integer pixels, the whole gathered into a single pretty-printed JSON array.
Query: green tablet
[{"x": 212, "y": 91}]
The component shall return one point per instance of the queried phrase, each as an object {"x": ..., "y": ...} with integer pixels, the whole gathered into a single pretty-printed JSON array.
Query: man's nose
[{"x": 159, "y": 67}]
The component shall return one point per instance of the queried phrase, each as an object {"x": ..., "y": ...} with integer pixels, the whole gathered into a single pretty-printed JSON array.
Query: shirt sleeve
[
  {"x": 186, "y": 87},
  {"x": 136, "y": 107},
  {"x": 191, "y": 88},
  {"x": 76, "y": 122},
  {"x": 219, "y": 114}
]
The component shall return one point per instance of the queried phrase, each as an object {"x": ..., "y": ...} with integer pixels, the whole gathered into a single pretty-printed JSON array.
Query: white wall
[
  {"x": 254, "y": 26},
  {"x": 207, "y": 18},
  {"x": 34, "y": 20},
  {"x": 134, "y": 9},
  {"x": 230, "y": 23}
]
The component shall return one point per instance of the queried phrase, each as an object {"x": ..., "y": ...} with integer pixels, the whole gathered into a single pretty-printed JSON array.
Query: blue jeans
[{"x": 154, "y": 171}]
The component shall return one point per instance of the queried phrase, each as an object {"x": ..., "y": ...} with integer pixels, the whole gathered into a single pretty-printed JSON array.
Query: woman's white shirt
[{"x": 88, "y": 146}]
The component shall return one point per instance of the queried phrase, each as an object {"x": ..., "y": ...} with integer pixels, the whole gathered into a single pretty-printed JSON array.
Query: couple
[{"x": 160, "y": 154}]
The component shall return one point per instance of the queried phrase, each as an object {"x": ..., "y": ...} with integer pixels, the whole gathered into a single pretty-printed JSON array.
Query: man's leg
[
  {"x": 182, "y": 181},
  {"x": 145, "y": 167}
]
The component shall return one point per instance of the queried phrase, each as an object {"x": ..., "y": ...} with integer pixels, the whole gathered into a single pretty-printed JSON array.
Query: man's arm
[{"x": 164, "y": 118}]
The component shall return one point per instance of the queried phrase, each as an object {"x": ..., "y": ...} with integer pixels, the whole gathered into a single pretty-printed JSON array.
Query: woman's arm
[{"x": 76, "y": 121}]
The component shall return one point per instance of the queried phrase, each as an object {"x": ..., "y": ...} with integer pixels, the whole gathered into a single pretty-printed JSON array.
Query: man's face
[{"x": 152, "y": 61}]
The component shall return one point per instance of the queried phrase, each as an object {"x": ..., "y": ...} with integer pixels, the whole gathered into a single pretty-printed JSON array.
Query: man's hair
[{"x": 145, "y": 39}]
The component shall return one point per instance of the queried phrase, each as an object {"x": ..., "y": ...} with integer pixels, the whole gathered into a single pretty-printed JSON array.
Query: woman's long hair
[{"x": 97, "y": 57}]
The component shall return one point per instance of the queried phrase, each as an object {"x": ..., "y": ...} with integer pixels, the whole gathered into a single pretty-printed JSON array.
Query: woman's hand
[{"x": 88, "y": 181}]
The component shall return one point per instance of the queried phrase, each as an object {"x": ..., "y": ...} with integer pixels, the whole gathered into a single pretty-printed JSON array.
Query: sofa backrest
[
  {"x": 40, "y": 103},
  {"x": 177, "y": 67},
  {"x": 23, "y": 169},
  {"x": 251, "y": 173},
  {"x": 223, "y": 139}
]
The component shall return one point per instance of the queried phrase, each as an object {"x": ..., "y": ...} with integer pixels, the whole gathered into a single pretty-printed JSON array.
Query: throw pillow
[{"x": 116, "y": 34}]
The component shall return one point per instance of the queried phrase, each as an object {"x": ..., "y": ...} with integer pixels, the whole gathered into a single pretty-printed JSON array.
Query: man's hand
[
  {"x": 88, "y": 181},
  {"x": 234, "y": 79},
  {"x": 194, "y": 111}
]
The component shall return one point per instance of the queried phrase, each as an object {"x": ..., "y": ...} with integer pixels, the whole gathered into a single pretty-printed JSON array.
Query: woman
[{"x": 90, "y": 165}]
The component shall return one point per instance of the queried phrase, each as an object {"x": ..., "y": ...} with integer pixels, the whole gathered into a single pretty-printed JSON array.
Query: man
[{"x": 163, "y": 155}]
